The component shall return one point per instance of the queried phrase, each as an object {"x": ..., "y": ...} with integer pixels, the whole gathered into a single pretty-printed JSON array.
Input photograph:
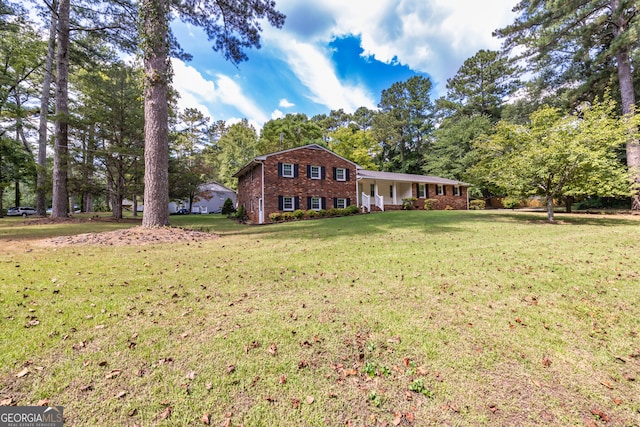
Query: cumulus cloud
[
  {"x": 430, "y": 36},
  {"x": 206, "y": 95},
  {"x": 284, "y": 103},
  {"x": 277, "y": 114}
]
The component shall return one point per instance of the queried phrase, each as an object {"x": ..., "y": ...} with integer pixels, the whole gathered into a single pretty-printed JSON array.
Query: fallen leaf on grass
[
  {"x": 310, "y": 400},
  {"x": 295, "y": 403},
  {"x": 86, "y": 387},
  {"x": 121, "y": 395},
  {"x": 166, "y": 413},
  {"x": 273, "y": 350},
  {"x": 113, "y": 374},
  {"x": 43, "y": 402},
  {"x": 282, "y": 379},
  {"x": 604, "y": 417},
  {"x": 607, "y": 384},
  {"x": 493, "y": 408},
  {"x": 23, "y": 373},
  {"x": 133, "y": 412},
  {"x": 205, "y": 419},
  {"x": 7, "y": 402},
  {"x": 231, "y": 369}
]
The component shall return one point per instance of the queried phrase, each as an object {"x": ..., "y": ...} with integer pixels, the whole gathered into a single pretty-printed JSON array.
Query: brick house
[{"x": 313, "y": 177}]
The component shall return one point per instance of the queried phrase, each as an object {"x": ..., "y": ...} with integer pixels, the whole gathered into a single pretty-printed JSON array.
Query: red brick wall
[
  {"x": 250, "y": 191},
  {"x": 448, "y": 199},
  {"x": 301, "y": 186}
]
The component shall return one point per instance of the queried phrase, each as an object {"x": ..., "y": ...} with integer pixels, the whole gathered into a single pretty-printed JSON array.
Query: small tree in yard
[
  {"x": 556, "y": 156},
  {"x": 228, "y": 208}
]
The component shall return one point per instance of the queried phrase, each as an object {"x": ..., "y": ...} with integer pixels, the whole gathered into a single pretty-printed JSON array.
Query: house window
[
  {"x": 456, "y": 191},
  {"x": 316, "y": 203},
  {"x": 439, "y": 190},
  {"x": 372, "y": 190},
  {"x": 340, "y": 203},
  {"x": 287, "y": 204},
  {"x": 287, "y": 170},
  {"x": 391, "y": 191},
  {"x": 422, "y": 191},
  {"x": 341, "y": 175},
  {"x": 314, "y": 172}
]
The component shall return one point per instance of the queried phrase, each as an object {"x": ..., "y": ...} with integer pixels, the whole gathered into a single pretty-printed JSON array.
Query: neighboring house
[
  {"x": 313, "y": 177},
  {"x": 209, "y": 199}
]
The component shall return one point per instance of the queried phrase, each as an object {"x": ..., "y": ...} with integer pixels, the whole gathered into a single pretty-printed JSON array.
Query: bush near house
[
  {"x": 430, "y": 204},
  {"x": 227, "y": 207},
  {"x": 408, "y": 203},
  {"x": 477, "y": 205}
]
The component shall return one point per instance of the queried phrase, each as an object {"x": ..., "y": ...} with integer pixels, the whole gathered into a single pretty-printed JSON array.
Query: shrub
[
  {"x": 298, "y": 214},
  {"x": 448, "y": 208},
  {"x": 430, "y": 204},
  {"x": 227, "y": 207},
  {"x": 510, "y": 202},
  {"x": 322, "y": 213},
  {"x": 311, "y": 213},
  {"x": 477, "y": 205},
  {"x": 241, "y": 214},
  {"x": 287, "y": 216},
  {"x": 333, "y": 212},
  {"x": 275, "y": 217},
  {"x": 352, "y": 210},
  {"x": 408, "y": 203}
]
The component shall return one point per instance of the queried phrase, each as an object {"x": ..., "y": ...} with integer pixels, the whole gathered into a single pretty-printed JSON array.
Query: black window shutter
[
  {"x": 335, "y": 202},
  {"x": 296, "y": 203},
  {"x": 309, "y": 202},
  {"x": 280, "y": 203},
  {"x": 323, "y": 173},
  {"x": 324, "y": 203},
  {"x": 334, "y": 173},
  {"x": 348, "y": 202},
  {"x": 426, "y": 190},
  {"x": 308, "y": 171},
  {"x": 346, "y": 171},
  {"x": 279, "y": 168},
  {"x": 295, "y": 170},
  {"x": 444, "y": 190}
]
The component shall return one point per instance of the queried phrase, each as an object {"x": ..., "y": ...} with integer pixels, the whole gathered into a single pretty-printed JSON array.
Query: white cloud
[
  {"x": 430, "y": 36},
  {"x": 284, "y": 103},
  {"x": 277, "y": 114},
  {"x": 311, "y": 65},
  {"x": 205, "y": 95}
]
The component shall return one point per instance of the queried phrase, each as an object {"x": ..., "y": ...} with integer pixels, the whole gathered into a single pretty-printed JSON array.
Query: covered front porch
[{"x": 383, "y": 195}]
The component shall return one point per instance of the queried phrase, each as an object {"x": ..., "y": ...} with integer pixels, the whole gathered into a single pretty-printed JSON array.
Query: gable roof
[
  {"x": 214, "y": 186},
  {"x": 262, "y": 158},
  {"x": 407, "y": 177}
]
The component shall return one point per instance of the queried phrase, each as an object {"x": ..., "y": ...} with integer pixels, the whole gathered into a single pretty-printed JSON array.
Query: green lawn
[{"x": 397, "y": 318}]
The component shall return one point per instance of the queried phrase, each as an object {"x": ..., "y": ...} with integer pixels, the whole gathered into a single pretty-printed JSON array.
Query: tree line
[{"x": 550, "y": 114}]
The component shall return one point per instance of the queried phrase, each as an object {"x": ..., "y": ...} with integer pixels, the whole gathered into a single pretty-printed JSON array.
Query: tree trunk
[
  {"x": 625, "y": 78},
  {"x": 60, "y": 149},
  {"x": 155, "y": 16},
  {"x": 550, "y": 216},
  {"x": 41, "y": 181}
]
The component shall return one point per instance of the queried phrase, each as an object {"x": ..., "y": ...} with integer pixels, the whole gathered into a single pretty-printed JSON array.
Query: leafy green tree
[
  {"x": 404, "y": 124},
  {"x": 557, "y": 156},
  {"x": 451, "y": 154},
  {"x": 581, "y": 40},
  {"x": 482, "y": 84},
  {"x": 233, "y": 26},
  {"x": 236, "y": 147},
  {"x": 356, "y": 145},
  {"x": 290, "y": 131},
  {"x": 15, "y": 165}
]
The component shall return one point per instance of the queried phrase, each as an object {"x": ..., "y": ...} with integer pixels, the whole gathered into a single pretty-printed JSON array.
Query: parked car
[
  {"x": 183, "y": 211},
  {"x": 21, "y": 211}
]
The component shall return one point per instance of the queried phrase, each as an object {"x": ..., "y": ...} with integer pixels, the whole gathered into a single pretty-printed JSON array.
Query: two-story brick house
[{"x": 313, "y": 177}]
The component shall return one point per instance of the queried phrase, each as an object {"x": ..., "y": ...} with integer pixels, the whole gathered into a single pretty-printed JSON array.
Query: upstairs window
[
  {"x": 287, "y": 170},
  {"x": 315, "y": 172},
  {"x": 341, "y": 175}
]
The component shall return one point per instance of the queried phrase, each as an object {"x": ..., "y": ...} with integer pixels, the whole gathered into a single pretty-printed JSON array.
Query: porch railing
[
  {"x": 380, "y": 202},
  {"x": 366, "y": 202}
]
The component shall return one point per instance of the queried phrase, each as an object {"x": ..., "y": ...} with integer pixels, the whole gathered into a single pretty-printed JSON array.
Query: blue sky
[{"x": 334, "y": 54}]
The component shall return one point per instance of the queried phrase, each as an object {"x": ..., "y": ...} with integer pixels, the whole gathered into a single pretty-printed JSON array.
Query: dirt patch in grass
[{"x": 131, "y": 236}]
